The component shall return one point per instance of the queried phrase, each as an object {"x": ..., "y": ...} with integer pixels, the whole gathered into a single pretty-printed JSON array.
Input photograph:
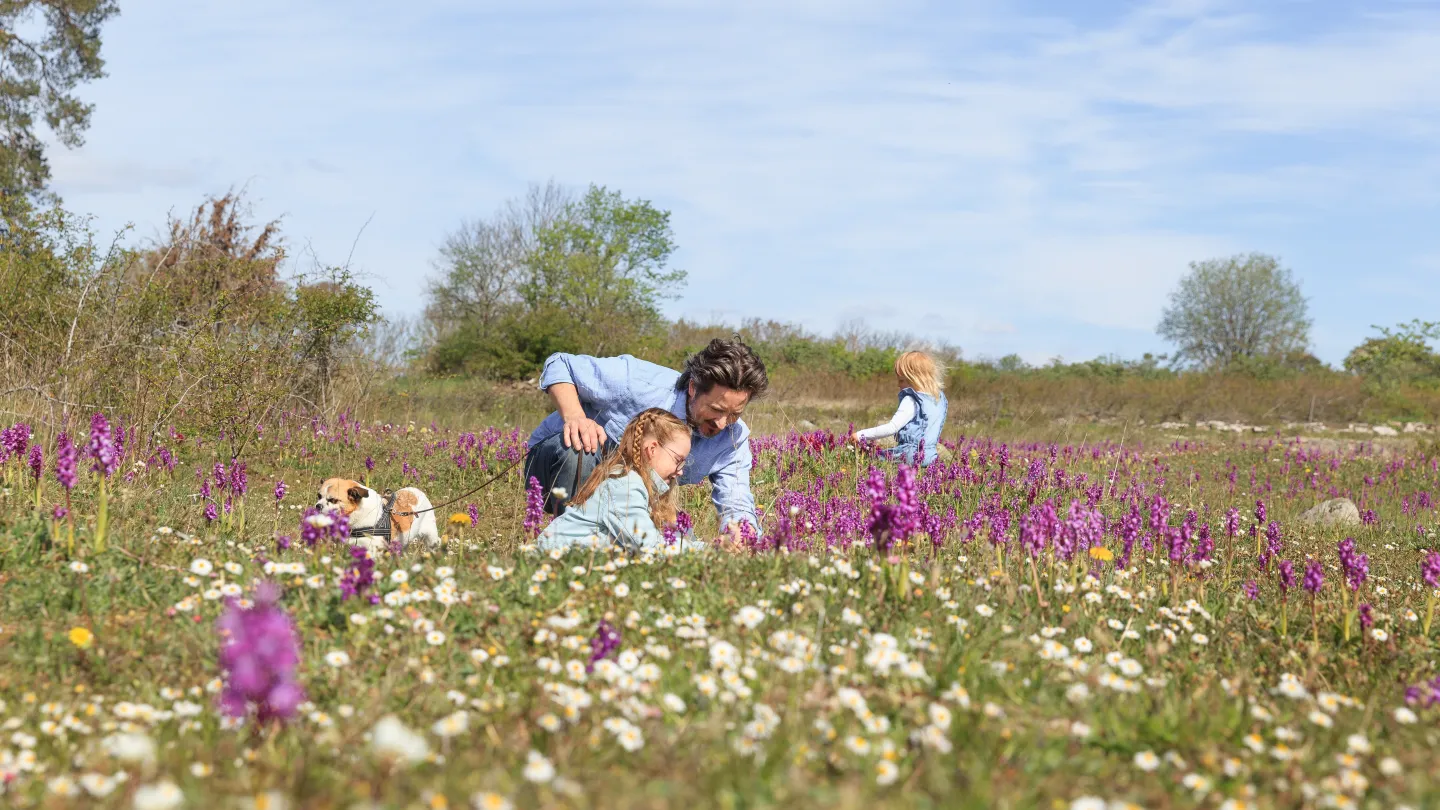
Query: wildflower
[
  {"x": 1147, "y": 761},
  {"x": 1405, "y": 717},
  {"x": 534, "y": 508},
  {"x": 1088, "y": 803},
  {"x": 537, "y": 768},
  {"x": 129, "y": 747},
  {"x": 1251, "y": 590},
  {"x": 159, "y": 796},
  {"x": 1101, "y": 553},
  {"x": 435, "y": 638},
  {"x": 81, "y": 637},
  {"x": 390, "y": 739},
  {"x": 750, "y": 617},
  {"x": 337, "y": 658},
  {"x": 886, "y": 772},
  {"x": 259, "y": 655},
  {"x": 490, "y": 801},
  {"x": 452, "y": 725},
  {"x": 102, "y": 446},
  {"x": 1314, "y": 577},
  {"x": 67, "y": 458},
  {"x": 1379, "y": 634}
]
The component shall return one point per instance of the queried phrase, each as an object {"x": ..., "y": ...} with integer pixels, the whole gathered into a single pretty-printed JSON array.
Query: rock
[
  {"x": 1173, "y": 425},
  {"x": 806, "y": 424},
  {"x": 1386, "y": 430},
  {"x": 1334, "y": 512}
]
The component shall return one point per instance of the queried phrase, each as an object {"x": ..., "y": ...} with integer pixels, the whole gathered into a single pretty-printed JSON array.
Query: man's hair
[{"x": 729, "y": 363}]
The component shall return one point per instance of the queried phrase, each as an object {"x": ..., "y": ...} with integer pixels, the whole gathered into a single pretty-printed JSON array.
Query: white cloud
[{"x": 820, "y": 158}]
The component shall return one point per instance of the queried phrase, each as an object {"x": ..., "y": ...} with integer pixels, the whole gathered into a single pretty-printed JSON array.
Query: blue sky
[{"x": 1011, "y": 177}]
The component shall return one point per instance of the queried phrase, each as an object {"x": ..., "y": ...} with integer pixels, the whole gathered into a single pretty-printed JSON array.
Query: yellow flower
[
  {"x": 81, "y": 637},
  {"x": 460, "y": 519},
  {"x": 1101, "y": 553}
]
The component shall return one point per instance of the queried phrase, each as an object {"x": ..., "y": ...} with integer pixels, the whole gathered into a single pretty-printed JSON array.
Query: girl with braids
[{"x": 631, "y": 494}]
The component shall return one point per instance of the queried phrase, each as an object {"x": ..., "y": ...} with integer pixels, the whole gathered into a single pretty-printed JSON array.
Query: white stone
[{"x": 1334, "y": 512}]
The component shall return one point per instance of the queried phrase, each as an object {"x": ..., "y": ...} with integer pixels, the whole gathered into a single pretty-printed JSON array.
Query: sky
[{"x": 1011, "y": 177}]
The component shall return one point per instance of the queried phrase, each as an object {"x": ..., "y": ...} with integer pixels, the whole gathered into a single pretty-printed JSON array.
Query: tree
[
  {"x": 38, "y": 77},
  {"x": 551, "y": 273},
  {"x": 1402, "y": 354},
  {"x": 601, "y": 269},
  {"x": 484, "y": 262},
  {"x": 1229, "y": 311}
]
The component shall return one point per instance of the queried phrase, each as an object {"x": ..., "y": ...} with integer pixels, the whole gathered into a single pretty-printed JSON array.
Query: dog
[{"x": 365, "y": 509}]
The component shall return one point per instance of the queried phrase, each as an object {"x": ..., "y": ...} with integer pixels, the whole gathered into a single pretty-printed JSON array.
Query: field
[{"x": 1098, "y": 622}]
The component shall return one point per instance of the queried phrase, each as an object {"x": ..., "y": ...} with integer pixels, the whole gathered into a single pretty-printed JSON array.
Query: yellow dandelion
[
  {"x": 1101, "y": 553},
  {"x": 460, "y": 519},
  {"x": 81, "y": 637}
]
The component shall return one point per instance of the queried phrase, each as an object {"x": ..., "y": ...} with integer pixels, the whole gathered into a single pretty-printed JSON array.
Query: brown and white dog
[{"x": 365, "y": 508}]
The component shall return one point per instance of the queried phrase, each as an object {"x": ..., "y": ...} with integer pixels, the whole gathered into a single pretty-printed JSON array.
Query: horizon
[{"x": 1036, "y": 177}]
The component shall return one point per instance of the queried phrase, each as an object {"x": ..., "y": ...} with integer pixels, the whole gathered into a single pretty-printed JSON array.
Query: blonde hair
[
  {"x": 920, "y": 371},
  {"x": 629, "y": 456}
]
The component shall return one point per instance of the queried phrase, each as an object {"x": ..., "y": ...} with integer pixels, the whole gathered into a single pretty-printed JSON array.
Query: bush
[{"x": 198, "y": 331}]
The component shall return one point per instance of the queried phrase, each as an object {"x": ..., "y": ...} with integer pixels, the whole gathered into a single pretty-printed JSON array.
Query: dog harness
[{"x": 382, "y": 526}]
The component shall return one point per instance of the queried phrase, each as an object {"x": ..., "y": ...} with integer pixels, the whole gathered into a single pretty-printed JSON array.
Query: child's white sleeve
[{"x": 903, "y": 415}]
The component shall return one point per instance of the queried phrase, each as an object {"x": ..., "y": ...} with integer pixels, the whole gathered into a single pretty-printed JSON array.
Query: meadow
[{"x": 1094, "y": 620}]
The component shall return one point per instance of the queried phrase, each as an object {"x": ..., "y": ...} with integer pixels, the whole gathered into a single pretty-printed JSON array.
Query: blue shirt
[{"x": 614, "y": 390}]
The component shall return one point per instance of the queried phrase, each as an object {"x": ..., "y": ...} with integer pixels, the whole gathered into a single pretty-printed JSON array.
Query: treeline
[
  {"x": 558, "y": 272},
  {"x": 199, "y": 329}
]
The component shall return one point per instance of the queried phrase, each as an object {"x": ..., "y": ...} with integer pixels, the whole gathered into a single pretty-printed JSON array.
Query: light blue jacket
[
  {"x": 618, "y": 512},
  {"x": 614, "y": 390},
  {"x": 923, "y": 429}
]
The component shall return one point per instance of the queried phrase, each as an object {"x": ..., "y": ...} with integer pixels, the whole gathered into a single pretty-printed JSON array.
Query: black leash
[{"x": 390, "y": 496}]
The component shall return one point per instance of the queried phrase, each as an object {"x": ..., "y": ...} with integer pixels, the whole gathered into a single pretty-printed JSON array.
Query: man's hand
[
  {"x": 581, "y": 432},
  {"x": 584, "y": 433},
  {"x": 732, "y": 540}
]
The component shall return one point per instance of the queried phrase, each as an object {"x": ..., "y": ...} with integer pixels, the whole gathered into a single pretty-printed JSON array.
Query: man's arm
[
  {"x": 574, "y": 379},
  {"x": 730, "y": 488}
]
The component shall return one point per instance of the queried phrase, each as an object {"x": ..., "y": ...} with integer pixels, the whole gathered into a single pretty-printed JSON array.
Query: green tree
[
  {"x": 38, "y": 77},
  {"x": 1229, "y": 311},
  {"x": 601, "y": 270},
  {"x": 1399, "y": 355},
  {"x": 551, "y": 273}
]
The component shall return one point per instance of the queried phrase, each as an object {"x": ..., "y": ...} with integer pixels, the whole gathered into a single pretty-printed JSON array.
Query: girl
[
  {"x": 921, "y": 414},
  {"x": 631, "y": 492}
]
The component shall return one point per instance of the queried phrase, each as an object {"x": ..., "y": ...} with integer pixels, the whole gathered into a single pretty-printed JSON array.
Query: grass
[{"x": 821, "y": 674}]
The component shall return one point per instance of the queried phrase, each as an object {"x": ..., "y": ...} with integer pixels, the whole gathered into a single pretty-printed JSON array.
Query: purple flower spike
[
  {"x": 258, "y": 656},
  {"x": 534, "y": 507},
  {"x": 102, "y": 446},
  {"x": 67, "y": 461},
  {"x": 1430, "y": 570},
  {"x": 1314, "y": 577},
  {"x": 605, "y": 642}
]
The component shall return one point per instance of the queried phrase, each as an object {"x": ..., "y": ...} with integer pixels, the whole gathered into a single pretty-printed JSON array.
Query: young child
[
  {"x": 631, "y": 493},
  {"x": 921, "y": 414}
]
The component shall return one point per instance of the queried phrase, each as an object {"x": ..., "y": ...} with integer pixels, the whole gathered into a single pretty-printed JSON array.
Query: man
[{"x": 596, "y": 397}]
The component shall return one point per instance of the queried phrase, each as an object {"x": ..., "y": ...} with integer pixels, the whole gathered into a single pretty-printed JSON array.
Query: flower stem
[
  {"x": 1429, "y": 612},
  {"x": 102, "y": 518}
]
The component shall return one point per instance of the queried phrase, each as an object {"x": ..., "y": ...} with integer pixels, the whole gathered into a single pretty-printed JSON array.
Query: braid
[{"x": 629, "y": 456}]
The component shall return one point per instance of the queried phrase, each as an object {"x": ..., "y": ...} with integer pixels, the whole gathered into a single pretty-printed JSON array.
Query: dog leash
[{"x": 389, "y": 496}]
